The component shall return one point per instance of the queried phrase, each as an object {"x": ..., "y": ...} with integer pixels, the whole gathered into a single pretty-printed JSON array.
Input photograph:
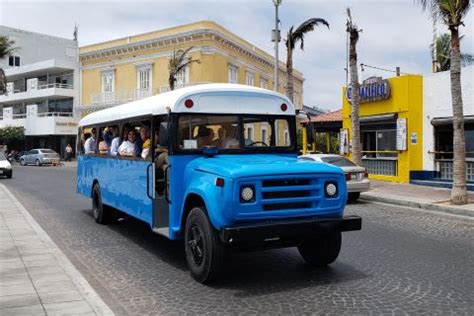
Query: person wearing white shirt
[
  {"x": 91, "y": 144},
  {"x": 128, "y": 147},
  {"x": 114, "y": 145}
]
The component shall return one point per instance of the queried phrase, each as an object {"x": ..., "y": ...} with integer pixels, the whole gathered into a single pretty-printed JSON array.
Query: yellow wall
[
  {"x": 213, "y": 67},
  {"x": 406, "y": 99}
]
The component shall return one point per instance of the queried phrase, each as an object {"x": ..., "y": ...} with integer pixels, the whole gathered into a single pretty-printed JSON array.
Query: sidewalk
[
  {"x": 417, "y": 196},
  {"x": 36, "y": 278}
]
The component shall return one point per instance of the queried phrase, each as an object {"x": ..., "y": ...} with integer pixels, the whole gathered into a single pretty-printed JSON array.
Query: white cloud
[{"x": 395, "y": 33}]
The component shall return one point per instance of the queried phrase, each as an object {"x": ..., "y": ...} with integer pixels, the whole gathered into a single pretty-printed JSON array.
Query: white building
[
  {"x": 438, "y": 125},
  {"x": 42, "y": 89}
]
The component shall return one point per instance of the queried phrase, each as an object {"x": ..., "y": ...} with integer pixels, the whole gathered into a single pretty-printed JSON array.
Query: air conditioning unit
[
  {"x": 32, "y": 84},
  {"x": 9, "y": 87}
]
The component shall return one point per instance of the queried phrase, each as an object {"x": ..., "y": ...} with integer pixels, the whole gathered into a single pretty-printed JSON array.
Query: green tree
[
  {"x": 451, "y": 13},
  {"x": 292, "y": 38},
  {"x": 441, "y": 50},
  {"x": 178, "y": 63},
  {"x": 7, "y": 47},
  {"x": 12, "y": 136},
  {"x": 353, "y": 31}
]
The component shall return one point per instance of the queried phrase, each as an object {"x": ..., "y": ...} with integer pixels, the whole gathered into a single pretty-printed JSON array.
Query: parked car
[
  {"x": 357, "y": 177},
  {"x": 39, "y": 157},
  {"x": 5, "y": 166}
]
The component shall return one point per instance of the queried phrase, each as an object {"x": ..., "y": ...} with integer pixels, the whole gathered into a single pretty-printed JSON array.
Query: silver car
[
  {"x": 39, "y": 157},
  {"x": 356, "y": 177}
]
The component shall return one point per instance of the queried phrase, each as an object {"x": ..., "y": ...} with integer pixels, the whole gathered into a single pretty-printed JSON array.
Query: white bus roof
[{"x": 207, "y": 98}]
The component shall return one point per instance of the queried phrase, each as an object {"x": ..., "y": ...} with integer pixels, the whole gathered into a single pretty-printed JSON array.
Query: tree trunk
[
  {"x": 459, "y": 190},
  {"x": 289, "y": 73},
  {"x": 355, "y": 99},
  {"x": 171, "y": 82}
]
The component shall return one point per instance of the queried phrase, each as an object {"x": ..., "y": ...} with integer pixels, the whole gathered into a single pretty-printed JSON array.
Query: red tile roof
[{"x": 335, "y": 116}]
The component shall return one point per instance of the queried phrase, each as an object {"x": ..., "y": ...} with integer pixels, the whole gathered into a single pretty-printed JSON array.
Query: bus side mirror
[
  {"x": 164, "y": 139},
  {"x": 310, "y": 133}
]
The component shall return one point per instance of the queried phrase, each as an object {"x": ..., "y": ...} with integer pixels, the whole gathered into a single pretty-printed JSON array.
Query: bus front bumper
[{"x": 287, "y": 231}]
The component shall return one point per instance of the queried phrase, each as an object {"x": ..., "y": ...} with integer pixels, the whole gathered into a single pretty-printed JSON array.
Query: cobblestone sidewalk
[{"x": 36, "y": 278}]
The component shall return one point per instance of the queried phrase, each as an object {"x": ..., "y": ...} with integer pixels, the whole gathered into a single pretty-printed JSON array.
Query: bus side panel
[
  {"x": 84, "y": 175},
  {"x": 122, "y": 184}
]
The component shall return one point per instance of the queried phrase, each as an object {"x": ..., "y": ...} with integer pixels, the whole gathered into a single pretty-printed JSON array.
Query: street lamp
[{"x": 276, "y": 39}]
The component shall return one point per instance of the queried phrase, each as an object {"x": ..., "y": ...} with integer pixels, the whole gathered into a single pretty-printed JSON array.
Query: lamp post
[{"x": 276, "y": 39}]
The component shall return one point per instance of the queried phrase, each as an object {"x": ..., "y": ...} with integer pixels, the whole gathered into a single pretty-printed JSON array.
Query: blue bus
[{"x": 215, "y": 165}]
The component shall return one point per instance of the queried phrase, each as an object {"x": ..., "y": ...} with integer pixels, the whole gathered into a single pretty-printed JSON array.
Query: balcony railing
[
  {"x": 445, "y": 168},
  {"x": 166, "y": 88},
  {"x": 55, "y": 85},
  {"x": 19, "y": 116},
  {"x": 56, "y": 114},
  {"x": 118, "y": 97}
]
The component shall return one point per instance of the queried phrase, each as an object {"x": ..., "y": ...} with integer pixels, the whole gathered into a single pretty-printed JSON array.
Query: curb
[{"x": 420, "y": 205}]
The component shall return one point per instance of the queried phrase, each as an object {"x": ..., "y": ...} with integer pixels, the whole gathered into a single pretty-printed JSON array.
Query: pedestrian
[{"x": 68, "y": 151}]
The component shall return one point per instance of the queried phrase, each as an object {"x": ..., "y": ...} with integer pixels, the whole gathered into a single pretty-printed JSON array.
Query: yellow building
[
  {"x": 391, "y": 118},
  {"x": 134, "y": 67}
]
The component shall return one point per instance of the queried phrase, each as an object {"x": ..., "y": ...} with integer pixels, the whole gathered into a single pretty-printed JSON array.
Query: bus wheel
[
  {"x": 353, "y": 196},
  {"x": 204, "y": 251},
  {"x": 322, "y": 250},
  {"x": 102, "y": 214}
]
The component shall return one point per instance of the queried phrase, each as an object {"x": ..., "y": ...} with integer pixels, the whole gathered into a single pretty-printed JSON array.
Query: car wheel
[
  {"x": 22, "y": 162},
  {"x": 10, "y": 175},
  {"x": 204, "y": 251},
  {"x": 102, "y": 214},
  {"x": 322, "y": 250},
  {"x": 38, "y": 163},
  {"x": 353, "y": 196}
]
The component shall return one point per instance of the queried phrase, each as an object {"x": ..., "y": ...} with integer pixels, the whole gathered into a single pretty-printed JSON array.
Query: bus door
[{"x": 159, "y": 175}]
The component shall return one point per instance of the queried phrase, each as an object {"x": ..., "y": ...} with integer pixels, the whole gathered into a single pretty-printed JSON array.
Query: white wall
[{"x": 437, "y": 103}]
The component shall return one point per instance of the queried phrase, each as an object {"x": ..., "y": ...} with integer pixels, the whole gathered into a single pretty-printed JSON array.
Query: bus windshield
[{"x": 234, "y": 132}]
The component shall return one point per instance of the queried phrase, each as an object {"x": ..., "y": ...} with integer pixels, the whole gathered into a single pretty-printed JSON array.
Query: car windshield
[
  {"x": 2, "y": 157},
  {"x": 47, "y": 151},
  {"x": 338, "y": 161},
  {"x": 234, "y": 132}
]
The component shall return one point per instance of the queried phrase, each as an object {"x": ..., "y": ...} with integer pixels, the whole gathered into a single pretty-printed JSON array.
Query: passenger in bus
[
  {"x": 205, "y": 136},
  {"x": 103, "y": 148},
  {"x": 161, "y": 163},
  {"x": 115, "y": 142},
  {"x": 219, "y": 141},
  {"x": 145, "y": 137},
  {"x": 91, "y": 143},
  {"x": 127, "y": 148},
  {"x": 230, "y": 139},
  {"x": 124, "y": 138}
]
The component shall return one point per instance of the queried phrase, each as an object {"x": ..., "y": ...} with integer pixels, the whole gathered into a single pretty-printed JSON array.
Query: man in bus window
[
  {"x": 127, "y": 148},
  {"x": 115, "y": 142},
  {"x": 91, "y": 143},
  {"x": 145, "y": 137}
]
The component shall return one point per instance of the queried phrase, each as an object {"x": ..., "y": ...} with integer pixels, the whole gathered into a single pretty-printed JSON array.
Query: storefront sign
[
  {"x": 66, "y": 127},
  {"x": 372, "y": 89},
  {"x": 401, "y": 134},
  {"x": 344, "y": 141}
]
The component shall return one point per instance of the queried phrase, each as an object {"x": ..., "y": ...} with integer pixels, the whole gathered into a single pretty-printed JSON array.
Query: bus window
[
  {"x": 136, "y": 136},
  {"x": 90, "y": 140}
]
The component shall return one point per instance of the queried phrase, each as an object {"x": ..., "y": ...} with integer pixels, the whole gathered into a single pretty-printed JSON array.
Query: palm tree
[
  {"x": 451, "y": 13},
  {"x": 178, "y": 63},
  {"x": 353, "y": 31},
  {"x": 441, "y": 50},
  {"x": 6, "y": 49},
  {"x": 292, "y": 38}
]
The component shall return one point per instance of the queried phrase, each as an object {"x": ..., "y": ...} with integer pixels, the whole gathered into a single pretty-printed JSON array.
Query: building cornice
[{"x": 185, "y": 37}]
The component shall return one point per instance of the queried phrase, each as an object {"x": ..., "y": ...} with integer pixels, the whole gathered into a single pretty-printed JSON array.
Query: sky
[{"x": 395, "y": 32}]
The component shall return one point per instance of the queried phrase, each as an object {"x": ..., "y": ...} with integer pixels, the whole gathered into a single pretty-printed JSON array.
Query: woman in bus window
[{"x": 127, "y": 148}]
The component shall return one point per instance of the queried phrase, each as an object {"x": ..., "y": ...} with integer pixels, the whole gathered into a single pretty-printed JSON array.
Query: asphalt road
[{"x": 402, "y": 262}]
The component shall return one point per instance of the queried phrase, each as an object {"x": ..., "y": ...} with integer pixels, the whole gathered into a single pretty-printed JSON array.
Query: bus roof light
[
  {"x": 284, "y": 107},
  {"x": 188, "y": 103}
]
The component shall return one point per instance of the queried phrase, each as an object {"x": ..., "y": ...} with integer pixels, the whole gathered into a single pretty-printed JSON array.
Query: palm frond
[
  {"x": 7, "y": 47},
  {"x": 305, "y": 27}
]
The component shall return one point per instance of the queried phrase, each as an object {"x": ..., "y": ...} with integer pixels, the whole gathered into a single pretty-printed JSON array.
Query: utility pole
[{"x": 276, "y": 39}]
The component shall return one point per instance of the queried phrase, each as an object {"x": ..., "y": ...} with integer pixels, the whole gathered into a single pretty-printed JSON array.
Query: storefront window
[
  {"x": 444, "y": 141},
  {"x": 375, "y": 144}
]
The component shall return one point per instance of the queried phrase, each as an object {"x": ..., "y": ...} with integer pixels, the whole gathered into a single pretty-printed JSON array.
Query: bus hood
[{"x": 238, "y": 166}]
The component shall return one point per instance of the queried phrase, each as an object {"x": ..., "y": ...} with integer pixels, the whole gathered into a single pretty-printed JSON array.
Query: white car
[
  {"x": 5, "y": 167},
  {"x": 357, "y": 177}
]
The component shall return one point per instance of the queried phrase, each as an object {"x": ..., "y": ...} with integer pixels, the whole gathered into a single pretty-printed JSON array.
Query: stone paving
[{"x": 35, "y": 277}]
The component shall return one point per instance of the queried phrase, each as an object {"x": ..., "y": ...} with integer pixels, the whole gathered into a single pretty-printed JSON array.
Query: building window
[
  {"x": 233, "y": 78},
  {"x": 182, "y": 77},
  {"x": 379, "y": 143},
  {"x": 264, "y": 83},
  {"x": 108, "y": 81},
  {"x": 14, "y": 61},
  {"x": 144, "y": 79},
  {"x": 249, "y": 78},
  {"x": 296, "y": 99}
]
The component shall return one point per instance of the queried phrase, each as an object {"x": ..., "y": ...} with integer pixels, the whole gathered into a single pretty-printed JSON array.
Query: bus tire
[
  {"x": 353, "y": 196},
  {"x": 203, "y": 248},
  {"x": 102, "y": 214},
  {"x": 322, "y": 250}
]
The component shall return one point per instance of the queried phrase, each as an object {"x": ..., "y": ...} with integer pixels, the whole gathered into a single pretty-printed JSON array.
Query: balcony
[
  {"x": 46, "y": 123},
  {"x": 46, "y": 91},
  {"x": 166, "y": 88},
  {"x": 118, "y": 97}
]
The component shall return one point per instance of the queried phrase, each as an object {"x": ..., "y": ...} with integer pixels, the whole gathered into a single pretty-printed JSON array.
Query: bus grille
[{"x": 290, "y": 194}]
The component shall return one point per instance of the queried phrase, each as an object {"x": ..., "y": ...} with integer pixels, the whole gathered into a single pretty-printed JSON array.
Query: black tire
[
  {"x": 322, "y": 250},
  {"x": 102, "y": 214},
  {"x": 10, "y": 175},
  {"x": 204, "y": 251},
  {"x": 22, "y": 162},
  {"x": 353, "y": 196},
  {"x": 38, "y": 163}
]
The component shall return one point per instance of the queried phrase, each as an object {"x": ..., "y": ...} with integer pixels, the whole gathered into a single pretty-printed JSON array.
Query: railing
[
  {"x": 445, "y": 169},
  {"x": 381, "y": 166},
  {"x": 55, "y": 85},
  {"x": 118, "y": 97},
  {"x": 166, "y": 88},
  {"x": 19, "y": 116},
  {"x": 61, "y": 114}
]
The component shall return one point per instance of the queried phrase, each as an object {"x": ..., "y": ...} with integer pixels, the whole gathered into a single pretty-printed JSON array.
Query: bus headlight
[
  {"x": 247, "y": 194},
  {"x": 330, "y": 189}
]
